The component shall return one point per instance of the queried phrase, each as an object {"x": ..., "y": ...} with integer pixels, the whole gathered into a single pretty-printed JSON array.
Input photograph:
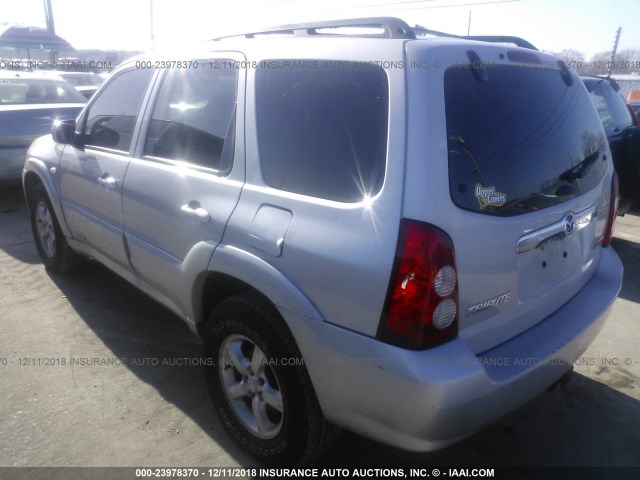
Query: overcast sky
[{"x": 588, "y": 26}]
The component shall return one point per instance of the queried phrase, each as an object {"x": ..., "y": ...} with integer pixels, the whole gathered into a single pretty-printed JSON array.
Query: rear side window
[
  {"x": 521, "y": 140},
  {"x": 193, "y": 118},
  {"x": 322, "y": 132},
  {"x": 111, "y": 118}
]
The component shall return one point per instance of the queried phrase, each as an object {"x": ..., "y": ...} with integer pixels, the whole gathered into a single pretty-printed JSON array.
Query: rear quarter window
[
  {"x": 520, "y": 141},
  {"x": 322, "y": 132}
]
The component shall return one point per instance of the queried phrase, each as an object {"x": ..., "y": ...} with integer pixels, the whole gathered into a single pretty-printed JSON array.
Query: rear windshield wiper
[
  {"x": 457, "y": 138},
  {"x": 581, "y": 169}
]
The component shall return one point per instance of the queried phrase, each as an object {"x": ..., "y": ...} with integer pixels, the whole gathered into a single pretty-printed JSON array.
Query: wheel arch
[
  {"x": 35, "y": 174},
  {"x": 217, "y": 287},
  {"x": 233, "y": 271}
]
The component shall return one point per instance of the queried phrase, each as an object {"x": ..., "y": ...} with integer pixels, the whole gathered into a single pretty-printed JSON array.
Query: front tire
[
  {"x": 260, "y": 387},
  {"x": 52, "y": 246}
]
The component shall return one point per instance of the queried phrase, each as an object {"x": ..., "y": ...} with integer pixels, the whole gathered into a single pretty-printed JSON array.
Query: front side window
[
  {"x": 111, "y": 119},
  {"x": 322, "y": 131},
  {"x": 193, "y": 119},
  {"x": 522, "y": 139}
]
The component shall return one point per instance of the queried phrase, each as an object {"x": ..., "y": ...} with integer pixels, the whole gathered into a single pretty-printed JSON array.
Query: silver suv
[{"x": 370, "y": 228}]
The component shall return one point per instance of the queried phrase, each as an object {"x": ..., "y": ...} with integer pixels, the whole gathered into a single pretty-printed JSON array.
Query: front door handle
[
  {"x": 108, "y": 183},
  {"x": 195, "y": 212}
]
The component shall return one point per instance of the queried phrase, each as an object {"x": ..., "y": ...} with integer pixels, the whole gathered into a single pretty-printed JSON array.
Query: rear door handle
[
  {"x": 108, "y": 183},
  {"x": 570, "y": 223},
  {"x": 195, "y": 212}
]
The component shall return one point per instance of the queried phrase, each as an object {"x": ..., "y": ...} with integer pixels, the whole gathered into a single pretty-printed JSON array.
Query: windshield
[
  {"x": 19, "y": 91},
  {"x": 520, "y": 140}
]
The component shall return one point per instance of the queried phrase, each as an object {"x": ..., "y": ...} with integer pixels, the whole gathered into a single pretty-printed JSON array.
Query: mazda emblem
[{"x": 569, "y": 223}]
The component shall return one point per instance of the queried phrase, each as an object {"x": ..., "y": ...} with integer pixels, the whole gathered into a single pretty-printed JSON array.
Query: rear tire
[
  {"x": 260, "y": 387},
  {"x": 52, "y": 246}
]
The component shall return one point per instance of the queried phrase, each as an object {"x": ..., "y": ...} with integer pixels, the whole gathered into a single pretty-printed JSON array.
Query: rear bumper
[{"x": 425, "y": 400}]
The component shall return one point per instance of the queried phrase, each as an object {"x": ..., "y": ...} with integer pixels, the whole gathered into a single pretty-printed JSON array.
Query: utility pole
[
  {"x": 153, "y": 38},
  {"x": 613, "y": 54},
  {"x": 51, "y": 27},
  {"x": 48, "y": 16}
]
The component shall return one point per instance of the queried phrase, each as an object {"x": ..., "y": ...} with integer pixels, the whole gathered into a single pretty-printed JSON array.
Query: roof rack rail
[
  {"x": 518, "y": 41},
  {"x": 392, "y": 28}
]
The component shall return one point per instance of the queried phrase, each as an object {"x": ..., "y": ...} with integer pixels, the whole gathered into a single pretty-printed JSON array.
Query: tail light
[
  {"x": 613, "y": 210},
  {"x": 421, "y": 309}
]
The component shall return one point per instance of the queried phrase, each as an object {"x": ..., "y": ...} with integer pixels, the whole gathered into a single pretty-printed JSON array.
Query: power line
[
  {"x": 474, "y": 4},
  {"x": 405, "y": 2}
]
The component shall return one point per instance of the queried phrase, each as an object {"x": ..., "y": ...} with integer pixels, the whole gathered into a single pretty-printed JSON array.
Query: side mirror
[{"x": 63, "y": 131}]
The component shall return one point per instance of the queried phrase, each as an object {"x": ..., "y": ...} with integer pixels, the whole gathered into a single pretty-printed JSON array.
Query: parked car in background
[
  {"x": 87, "y": 83},
  {"x": 29, "y": 104},
  {"x": 634, "y": 100},
  {"x": 397, "y": 251},
  {"x": 621, "y": 127}
]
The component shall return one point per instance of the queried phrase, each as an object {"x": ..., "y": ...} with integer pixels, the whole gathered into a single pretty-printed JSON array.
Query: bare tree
[
  {"x": 599, "y": 64},
  {"x": 573, "y": 58},
  {"x": 626, "y": 61}
]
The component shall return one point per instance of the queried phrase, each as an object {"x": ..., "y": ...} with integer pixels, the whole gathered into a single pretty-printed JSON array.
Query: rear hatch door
[{"x": 524, "y": 172}]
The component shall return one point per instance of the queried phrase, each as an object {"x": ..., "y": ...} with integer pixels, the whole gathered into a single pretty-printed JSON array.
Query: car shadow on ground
[
  {"x": 11, "y": 197},
  {"x": 583, "y": 423},
  {"x": 154, "y": 343},
  {"x": 15, "y": 229},
  {"x": 629, "y": 253},
  {"x": 634, "y": 210}
]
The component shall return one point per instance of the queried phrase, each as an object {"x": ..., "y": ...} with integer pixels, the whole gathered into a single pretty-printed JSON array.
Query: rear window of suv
[
  {"x": 322, "y": 131},
  {"x": 520, "y": 140}
]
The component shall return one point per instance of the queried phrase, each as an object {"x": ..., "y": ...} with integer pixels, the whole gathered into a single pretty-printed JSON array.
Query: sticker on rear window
[{"x": 488, "y": 197}]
